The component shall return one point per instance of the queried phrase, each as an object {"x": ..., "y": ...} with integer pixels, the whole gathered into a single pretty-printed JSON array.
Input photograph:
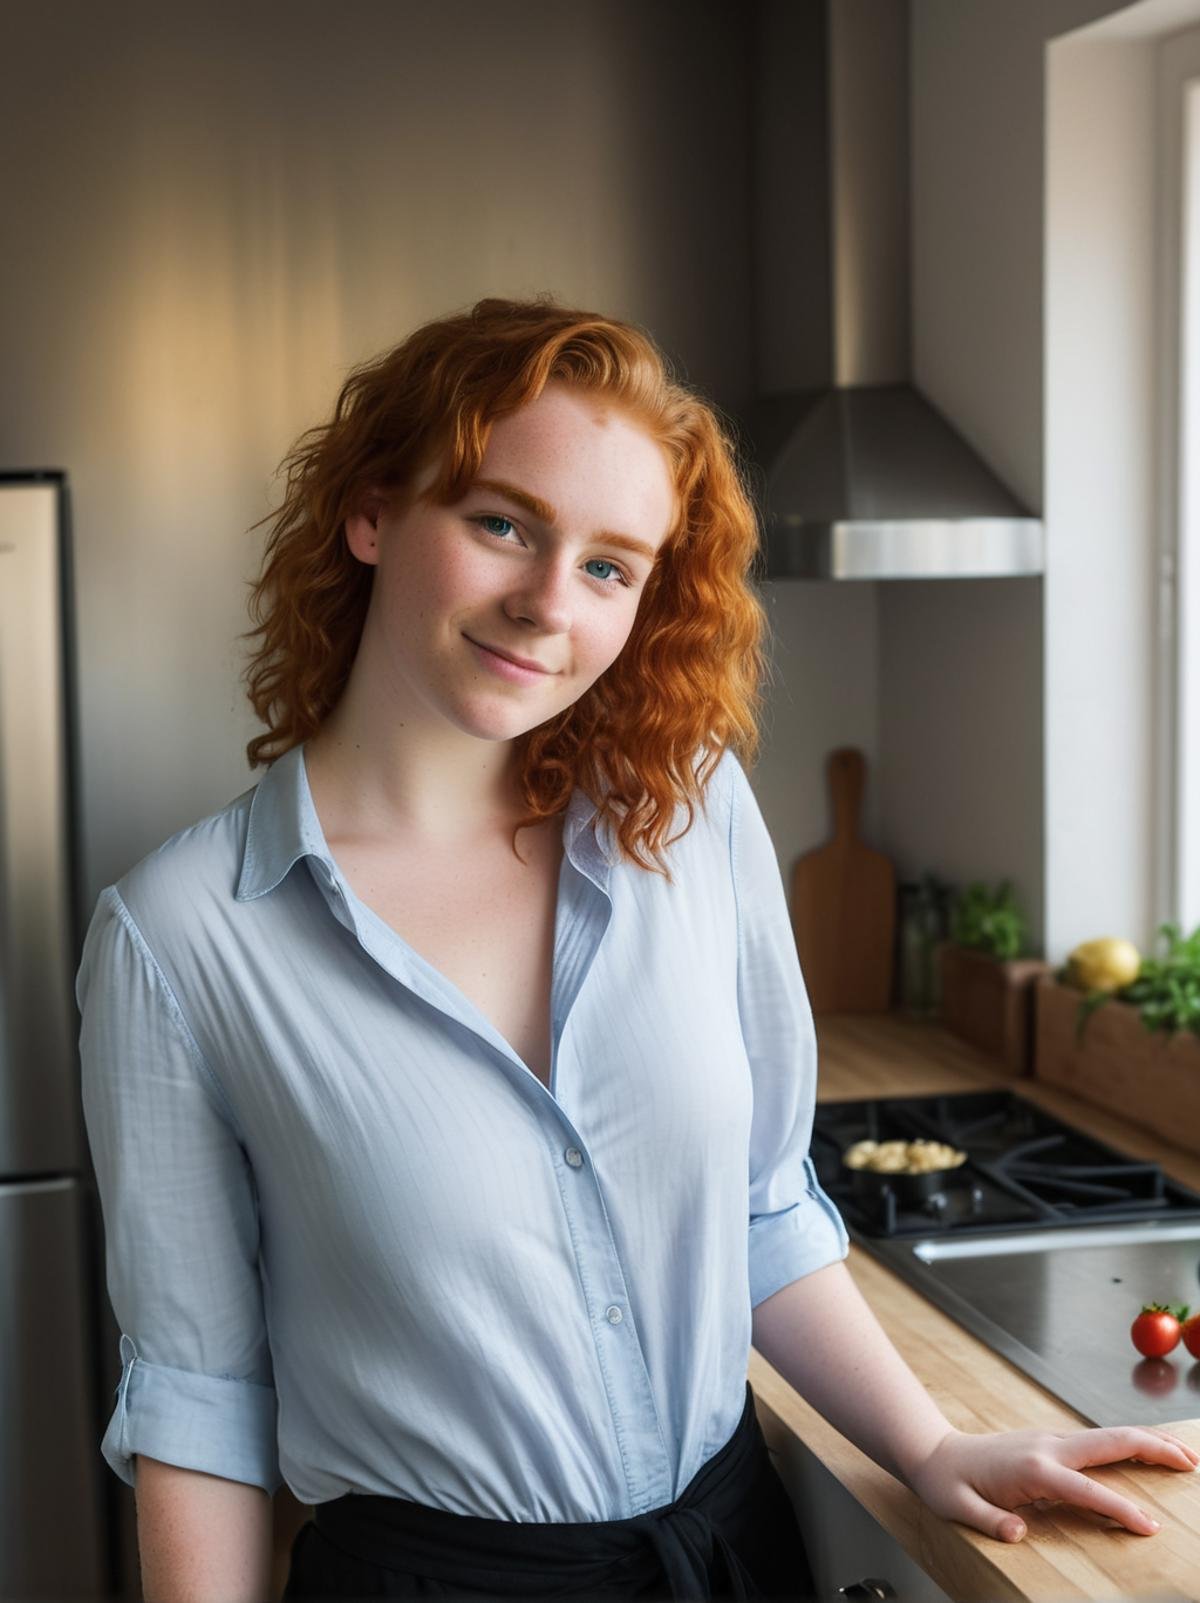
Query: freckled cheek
[
  {"x": 456, "y": 569},
  {"x": 436, "y": 589},
  {"x": 598, "y": 648},
  {"x": 467, "y": 579}
]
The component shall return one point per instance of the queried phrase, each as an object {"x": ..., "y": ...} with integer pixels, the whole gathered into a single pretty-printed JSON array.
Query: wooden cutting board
[{"x": 844, "y": 905}]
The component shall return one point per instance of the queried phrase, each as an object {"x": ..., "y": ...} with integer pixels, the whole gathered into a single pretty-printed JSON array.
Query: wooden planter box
[
  {"x": 990, "y": 1003},
  {"x": 1146, "y": 1076}
]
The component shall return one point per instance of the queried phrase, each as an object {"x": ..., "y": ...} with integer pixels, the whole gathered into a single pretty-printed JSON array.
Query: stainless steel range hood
[{"x": 859, "y": 476}]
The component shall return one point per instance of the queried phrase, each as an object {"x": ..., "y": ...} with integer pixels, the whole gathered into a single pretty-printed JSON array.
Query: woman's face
[{"x": 534, "y": 569}]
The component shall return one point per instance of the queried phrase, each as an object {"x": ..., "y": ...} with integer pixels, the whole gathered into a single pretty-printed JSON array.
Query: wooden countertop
[{"x": 1066, "y": 1553}]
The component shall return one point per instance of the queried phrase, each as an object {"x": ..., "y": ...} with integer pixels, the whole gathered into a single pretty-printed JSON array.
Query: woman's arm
[
  {"x": 201, "y": 1538},
  {"x": 820, "y": 1333}
]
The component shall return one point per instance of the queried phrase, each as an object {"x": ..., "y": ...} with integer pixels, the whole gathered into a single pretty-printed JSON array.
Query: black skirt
[{"x": 731, "y": 1533}]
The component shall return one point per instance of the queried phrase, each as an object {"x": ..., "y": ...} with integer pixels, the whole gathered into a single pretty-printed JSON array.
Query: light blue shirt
[{"x": 355, "y": 1244}]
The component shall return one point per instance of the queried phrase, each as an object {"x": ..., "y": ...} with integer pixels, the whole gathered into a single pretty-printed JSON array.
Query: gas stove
[{"x": 1044, "y": 1243}]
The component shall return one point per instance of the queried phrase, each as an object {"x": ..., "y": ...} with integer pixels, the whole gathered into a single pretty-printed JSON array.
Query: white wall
[
  {"x": 1100, "y": 589},
  {"x": 216, "y": 210},
  {"x": 1077, "y": 836}
]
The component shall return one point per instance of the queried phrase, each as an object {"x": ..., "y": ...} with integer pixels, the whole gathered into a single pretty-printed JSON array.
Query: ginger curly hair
[{"x": 689, "y": 678}]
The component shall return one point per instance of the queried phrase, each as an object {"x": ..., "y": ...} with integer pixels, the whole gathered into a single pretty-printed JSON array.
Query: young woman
[{"x": 450, "y": 1090}]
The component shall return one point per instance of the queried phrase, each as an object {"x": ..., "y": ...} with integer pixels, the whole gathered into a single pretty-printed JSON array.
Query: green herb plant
[
  {"x": 1166, "y": 991},
  {"x": 988, "y": 921}
]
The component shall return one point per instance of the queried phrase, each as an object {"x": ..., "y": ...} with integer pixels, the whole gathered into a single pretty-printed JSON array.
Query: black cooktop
[{"x": 1025, "y": 1169}]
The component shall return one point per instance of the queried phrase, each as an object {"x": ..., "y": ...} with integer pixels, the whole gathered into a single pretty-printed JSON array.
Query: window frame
[{"x": 1177, "y": 846}]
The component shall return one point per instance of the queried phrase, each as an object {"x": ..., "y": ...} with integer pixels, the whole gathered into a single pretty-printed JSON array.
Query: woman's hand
[
  {"x": 980, "y": 1479},
  {"x": 822, "y": 1337}
]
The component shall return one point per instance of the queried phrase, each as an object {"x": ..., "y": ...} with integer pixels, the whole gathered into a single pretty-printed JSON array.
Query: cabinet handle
[{"x": 868, "y": 1587}]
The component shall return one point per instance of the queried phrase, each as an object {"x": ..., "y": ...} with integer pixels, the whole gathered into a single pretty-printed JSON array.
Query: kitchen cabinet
[{"x": 845, "y": 1545}]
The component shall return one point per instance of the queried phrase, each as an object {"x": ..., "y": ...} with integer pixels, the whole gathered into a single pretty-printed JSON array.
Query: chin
[{"x": 489, "y": 726}]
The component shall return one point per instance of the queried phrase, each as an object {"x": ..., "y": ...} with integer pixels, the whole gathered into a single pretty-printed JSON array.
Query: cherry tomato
[
  {"x": 1155, "y": 1331},
  {"x": 1190, "y": 1331}
]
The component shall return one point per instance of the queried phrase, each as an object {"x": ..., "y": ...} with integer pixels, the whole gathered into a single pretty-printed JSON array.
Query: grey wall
[
  {"x": 824, "y": 635},
  {"x": 216, "y": 210},
  {"x": 942, "y": 683},
  {"x": 214, "y": 213}
]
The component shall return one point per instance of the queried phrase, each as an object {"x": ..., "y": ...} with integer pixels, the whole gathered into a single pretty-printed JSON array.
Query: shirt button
[
  {"x": 613, "y": 1315},
  {"x": 574, "y": 1157}
]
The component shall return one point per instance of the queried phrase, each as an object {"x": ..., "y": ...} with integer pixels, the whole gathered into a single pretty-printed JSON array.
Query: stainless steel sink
[{"x": 1059, "y": 1303}]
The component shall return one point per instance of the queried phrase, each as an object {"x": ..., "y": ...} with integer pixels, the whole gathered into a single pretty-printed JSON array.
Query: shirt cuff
[
  {"x": 215, "y": 1423},
  {"x": 787, "y": 1245}
]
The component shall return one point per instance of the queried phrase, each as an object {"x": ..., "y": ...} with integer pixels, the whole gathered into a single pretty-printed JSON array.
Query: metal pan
[{"x": 911, "y": 1189}]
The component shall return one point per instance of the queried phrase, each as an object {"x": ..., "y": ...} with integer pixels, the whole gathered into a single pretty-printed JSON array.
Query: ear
[{"x": 363, "y": 531}]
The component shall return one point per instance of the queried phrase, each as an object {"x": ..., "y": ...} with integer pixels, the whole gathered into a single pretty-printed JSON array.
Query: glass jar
[{"x": 924, "y": 925}]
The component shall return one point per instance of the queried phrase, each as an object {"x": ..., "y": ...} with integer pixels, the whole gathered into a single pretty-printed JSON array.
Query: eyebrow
[{"x": 546, "y": 513}]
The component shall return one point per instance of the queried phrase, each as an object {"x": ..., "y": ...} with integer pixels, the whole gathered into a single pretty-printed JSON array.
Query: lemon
[{"x": 1107, "y": 964}]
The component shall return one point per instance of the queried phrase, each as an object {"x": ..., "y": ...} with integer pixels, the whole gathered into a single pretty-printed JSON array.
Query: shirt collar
[{"x": 283, "y": 827}]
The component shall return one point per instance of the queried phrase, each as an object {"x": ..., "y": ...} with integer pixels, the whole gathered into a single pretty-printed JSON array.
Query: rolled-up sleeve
[
  {"x": 795, "y": 1227},
  {"x": 180, "y": 1221}
]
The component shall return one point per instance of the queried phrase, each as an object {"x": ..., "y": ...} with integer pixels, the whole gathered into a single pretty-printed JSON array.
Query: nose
[{"x": 543, "y": 596}]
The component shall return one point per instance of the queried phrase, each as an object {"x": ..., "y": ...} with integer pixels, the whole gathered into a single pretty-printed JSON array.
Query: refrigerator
[{"x": 58, "y": 1354}]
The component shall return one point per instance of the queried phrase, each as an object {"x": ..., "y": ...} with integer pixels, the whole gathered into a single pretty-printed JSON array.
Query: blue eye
[
  {"x": 494, "y": 517},
  {"x": 604, "y": 562},
  {"x": 486, "y": 518}
]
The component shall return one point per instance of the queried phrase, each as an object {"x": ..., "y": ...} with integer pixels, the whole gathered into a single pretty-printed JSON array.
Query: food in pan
[{"x": 903, "y": 1157}]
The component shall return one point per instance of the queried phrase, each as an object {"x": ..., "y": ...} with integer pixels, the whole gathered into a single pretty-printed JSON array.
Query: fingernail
[{"x": 1151, "y": 1521}]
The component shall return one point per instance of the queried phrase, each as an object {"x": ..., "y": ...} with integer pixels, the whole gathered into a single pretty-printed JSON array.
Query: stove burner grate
[{"x": 1024, "y": 1167}]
